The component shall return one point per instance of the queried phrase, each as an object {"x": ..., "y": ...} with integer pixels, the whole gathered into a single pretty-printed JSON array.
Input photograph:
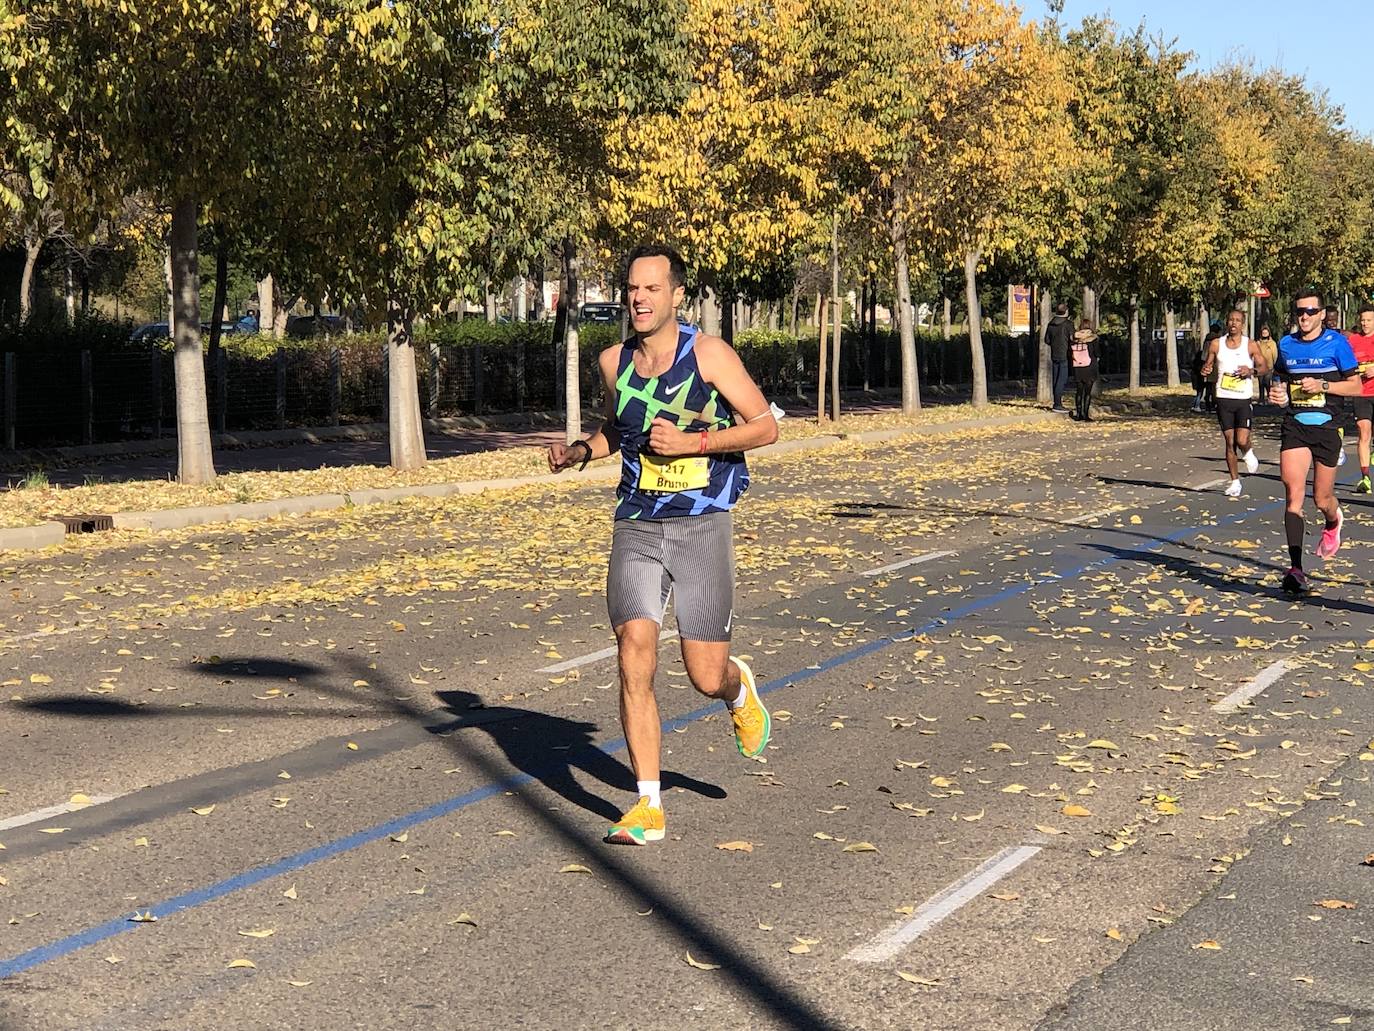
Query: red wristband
[{"x": 701, "y": 450}]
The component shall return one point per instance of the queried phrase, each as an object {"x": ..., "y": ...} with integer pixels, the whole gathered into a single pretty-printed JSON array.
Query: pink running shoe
[{"x": 1331, "y": 538}]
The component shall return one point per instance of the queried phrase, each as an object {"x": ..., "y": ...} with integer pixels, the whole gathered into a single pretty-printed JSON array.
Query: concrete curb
[
  {"x": 47, "y": 534},
  {"x": 30, "y": 538}
]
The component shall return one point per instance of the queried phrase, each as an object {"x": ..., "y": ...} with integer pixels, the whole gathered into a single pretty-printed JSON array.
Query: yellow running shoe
[
  {"x": 641, "y": 825},
  {"x": 753, "y": 725}
]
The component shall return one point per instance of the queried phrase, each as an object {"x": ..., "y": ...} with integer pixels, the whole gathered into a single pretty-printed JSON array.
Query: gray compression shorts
[{"x": 689, "y": 557}]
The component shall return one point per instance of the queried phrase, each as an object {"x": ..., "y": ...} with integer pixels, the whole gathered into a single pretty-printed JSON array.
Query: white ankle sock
[
  {"x": 649, "y": 789},
  {"x": 741, "y": 698}
]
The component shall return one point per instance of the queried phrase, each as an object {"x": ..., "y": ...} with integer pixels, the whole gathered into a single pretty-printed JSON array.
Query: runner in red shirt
[{"x": 1362, "y": 343}]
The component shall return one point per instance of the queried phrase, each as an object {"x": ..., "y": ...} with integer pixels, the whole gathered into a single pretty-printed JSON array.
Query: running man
[
  {"x": 681, "y": 409},
  {"x": 1237, "y": 361},
  {"x": 1362, "y": 343},
  {"x": 1313, "y": 362}
]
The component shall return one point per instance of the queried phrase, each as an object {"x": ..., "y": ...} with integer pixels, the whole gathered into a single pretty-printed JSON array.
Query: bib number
[
  {"x": 1231, "y": 381},
  {"x": 669, "y": 475},
  {"x": 1302, "y": 399}
]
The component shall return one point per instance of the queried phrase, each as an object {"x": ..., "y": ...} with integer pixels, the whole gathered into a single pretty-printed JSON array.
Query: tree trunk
[
  {"x": 171, "y": 293},
  {"x": 221, "y": 291},
  {"x": 405, "y": 431},
  {"x": 195, "y": 461},
  {"x": 837, "y": 330},
  {"x": 792, "y": 330},
  {"x": 823, "y": 321},
  {"x": 911, "y": 386},
  {"x": 1090, "y": 305},
  {"x": 1133, "y": 318},
  {"x": 1170, "y": 346},
  {"x": 710, "y": 310},
  {"x": 33, "y": 246},
  {"x": 946, "y": 318},
  {"x": 1044, "y": 390},
  {"x": 490, "y": 310},
  {"x": 70, "y": 289},
  {"x": 267, "y": 293},
  {"x": 975, "y": 329},
  {"x": 728, "y": 310},
  {"x": 572, "y": 381},
  {"x": 519, "y": 302}
]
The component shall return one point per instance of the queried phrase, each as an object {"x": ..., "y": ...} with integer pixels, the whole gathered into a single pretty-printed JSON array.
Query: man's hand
[
  {"x": 1245, "y": 372},
  {"x": 1312, "y": 385},
  {"x": 565, "y": 456},
  {"x": 1278, "y": 394},
  {"x": 667, "y": 440}
]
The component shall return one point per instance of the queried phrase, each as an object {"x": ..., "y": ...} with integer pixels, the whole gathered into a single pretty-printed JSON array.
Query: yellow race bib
[
  {"x": 1231, "y": 381},
  {"x": 1302, "y": 399},
  {"x": 1367, "y": 370},
  {"x": 669, "y": 475}
]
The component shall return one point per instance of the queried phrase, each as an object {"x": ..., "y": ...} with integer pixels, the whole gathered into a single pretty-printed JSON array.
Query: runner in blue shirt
[{"x": 1313, "y": 362}]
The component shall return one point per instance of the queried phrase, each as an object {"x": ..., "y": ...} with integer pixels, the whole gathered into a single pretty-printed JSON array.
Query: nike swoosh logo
[{"x": 674, "y": 390}]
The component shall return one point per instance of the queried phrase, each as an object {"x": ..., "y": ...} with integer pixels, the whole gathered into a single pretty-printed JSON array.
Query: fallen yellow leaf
[
  {"x": 574, "y": 868},
  {"x": 913, "y": 979},
  {"x": 736, "y": 846},
  {"x": 1335, "y": 904},
  {"x": 700, "y": 965},
  {"x": 259, "y": 932},
  {"x": 1208, "y": 944},
  {"x": 1073, "y": 809},
  {"x": 242, "y": 964},
  {"x": 860, "y": 846},
  {"x": 206, "y": 811}
]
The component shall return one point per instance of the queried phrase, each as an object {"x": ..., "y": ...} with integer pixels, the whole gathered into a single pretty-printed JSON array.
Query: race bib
[
  {"x": 1302, "y": 399},
  {"x": 1366, "y": 370},
  {"x": 669, "y": 475},
  {"x": 1231, "y": 381}
]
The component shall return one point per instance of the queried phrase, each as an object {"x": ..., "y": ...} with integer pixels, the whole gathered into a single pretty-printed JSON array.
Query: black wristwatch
[{"x": 588, "y": 448}]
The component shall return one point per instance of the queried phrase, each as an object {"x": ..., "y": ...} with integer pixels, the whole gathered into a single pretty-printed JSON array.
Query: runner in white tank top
[{"x": 1238, "y": 361}]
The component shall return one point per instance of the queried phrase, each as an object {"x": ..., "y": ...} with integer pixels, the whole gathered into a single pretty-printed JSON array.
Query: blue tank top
[
  {"x": 664, "y": 488},
  {"x": 1328, "y": 355}
]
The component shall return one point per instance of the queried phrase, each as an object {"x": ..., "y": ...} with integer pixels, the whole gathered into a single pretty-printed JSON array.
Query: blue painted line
[{"x": 26, "y": 961}]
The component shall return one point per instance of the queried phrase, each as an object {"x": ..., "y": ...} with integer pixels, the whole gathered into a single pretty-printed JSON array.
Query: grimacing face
[
  {"x": 1234, "y": 323},
  {"x": 651, "y": 296}
]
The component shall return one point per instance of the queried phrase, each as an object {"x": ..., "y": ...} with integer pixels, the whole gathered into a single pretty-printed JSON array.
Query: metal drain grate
[{"x": 86, "y": 523}]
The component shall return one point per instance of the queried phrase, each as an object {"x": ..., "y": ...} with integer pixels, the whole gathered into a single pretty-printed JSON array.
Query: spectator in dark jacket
[{"x": 1057, "y": 335}]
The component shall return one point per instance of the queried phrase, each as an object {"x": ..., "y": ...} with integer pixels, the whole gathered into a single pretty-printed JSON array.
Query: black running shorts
[
  {"x": 1233, "y": 413},
  {"x": 1364, "y": 409},
  {"x": 1323, "y": 441}
]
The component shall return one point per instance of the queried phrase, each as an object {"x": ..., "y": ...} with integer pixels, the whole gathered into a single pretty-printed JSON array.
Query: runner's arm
[
  {"x": 1206, "y": 369},
  {"x": 721, "y": 366},
  {"x": 1342, "y": 384},
  {"x": 601, "y": 444},
  {"x": 1259, "y": 365}
]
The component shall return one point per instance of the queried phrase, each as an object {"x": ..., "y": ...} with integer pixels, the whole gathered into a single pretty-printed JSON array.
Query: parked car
[
  {"x": 150, "y": 332},
  {"x": 600, "y": 311},
  {"x": 314, "y": 325}
]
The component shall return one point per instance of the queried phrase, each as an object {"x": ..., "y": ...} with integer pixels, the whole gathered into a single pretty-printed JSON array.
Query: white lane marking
[
  {"x": 51, "y": 811},
  {"x": 929, "y": 556},
  {"x": 604, "y": 653},
  {"x": 47, "y": 633},
  {"x": 1236, "y": 700},
  {"x": 1213, "y": 483},
  {"x": 886, "y": 944},
  {"x": 1087, "y": 516}
]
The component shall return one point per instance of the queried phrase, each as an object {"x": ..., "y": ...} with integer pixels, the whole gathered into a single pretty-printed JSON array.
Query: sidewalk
[{"x": 338, "y": 453}]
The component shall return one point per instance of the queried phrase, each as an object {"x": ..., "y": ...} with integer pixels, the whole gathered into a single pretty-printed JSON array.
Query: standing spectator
[
  {"x": 1057, "y": 335},
  {"x": 1084, "y": 351},
  {"x": 1269, "y": 347}
]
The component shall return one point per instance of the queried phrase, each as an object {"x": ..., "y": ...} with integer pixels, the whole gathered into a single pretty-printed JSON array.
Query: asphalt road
[{"x": 372, "y": 753}]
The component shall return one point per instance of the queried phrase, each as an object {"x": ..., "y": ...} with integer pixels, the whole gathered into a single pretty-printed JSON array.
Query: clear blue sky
[{"x": 1328, "y": 42}]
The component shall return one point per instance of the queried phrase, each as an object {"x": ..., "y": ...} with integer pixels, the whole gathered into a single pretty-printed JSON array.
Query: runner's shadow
[
  {"x": 552, "y": 750},
  {"x": 1191, "y": 570}
]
